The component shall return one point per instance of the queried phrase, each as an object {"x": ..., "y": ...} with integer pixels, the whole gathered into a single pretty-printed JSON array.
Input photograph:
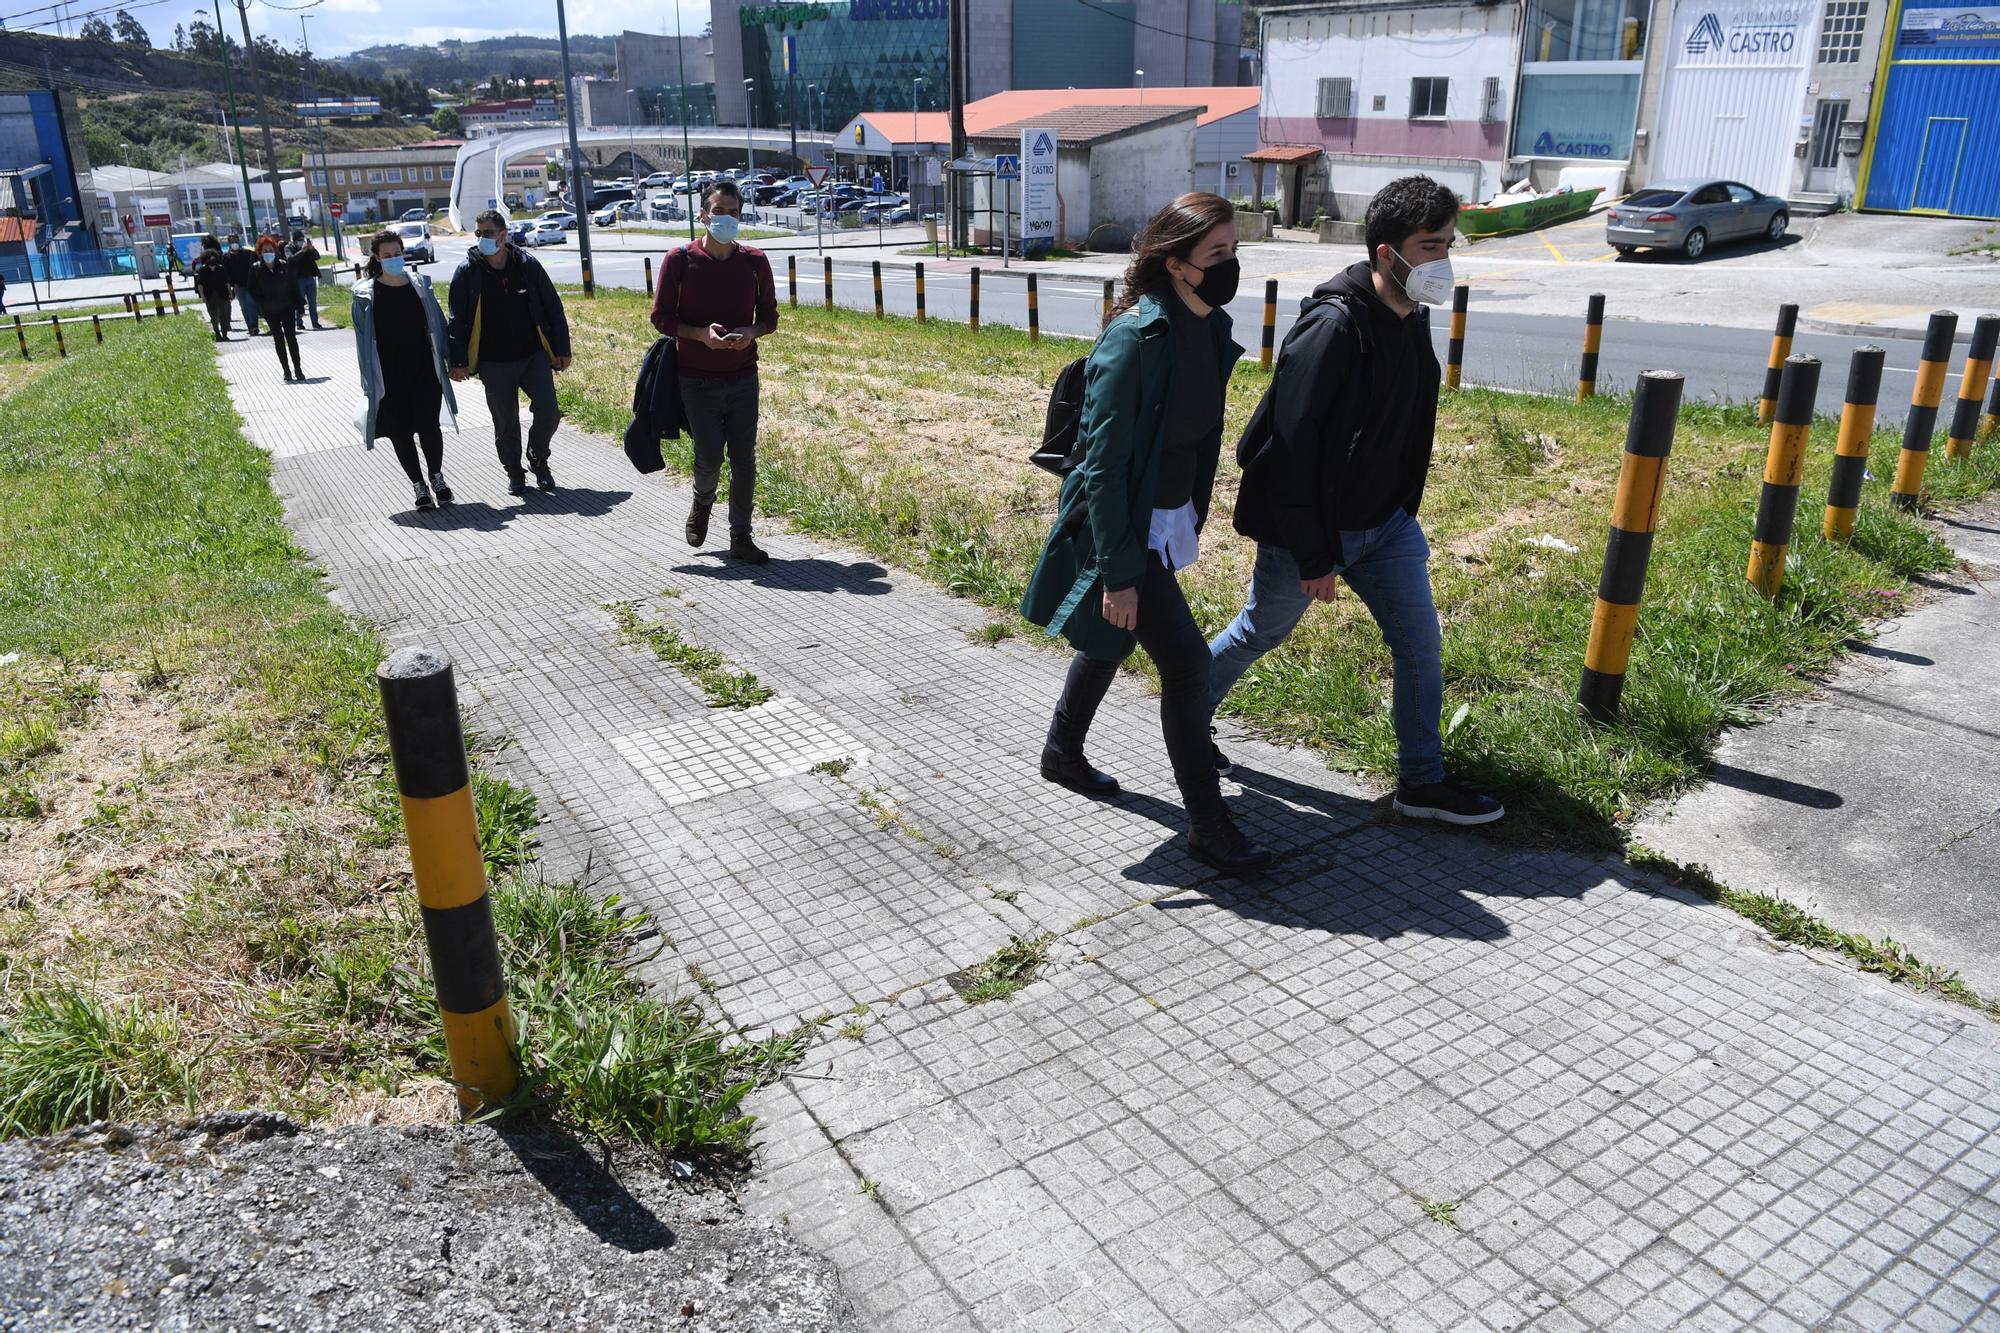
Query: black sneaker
[
  {"x": 440, "y": 489},
  {"x": 1223, "y": 845},
  {"x": 517, "y": 483},
  {"x": 424, "y": 501},
  {"x": 1448, "y": 802},
  {"x": 1223, "y": 768},
  {"x": 544, "y": 478},
  {"x": 697, "y": 525},
  {"x": 742, "y": 548}
]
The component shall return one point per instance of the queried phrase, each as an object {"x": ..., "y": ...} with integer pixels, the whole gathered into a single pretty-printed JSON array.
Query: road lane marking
[{"x": 1560, "y": 259}]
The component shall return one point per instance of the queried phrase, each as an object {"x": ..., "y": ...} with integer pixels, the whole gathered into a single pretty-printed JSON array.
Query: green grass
[
  {"x": 266, "y": 948},
  {"x": 1013, "y": 965},
  {"x": 910, "y": 444},
  {"x": 704, "y": 666}
]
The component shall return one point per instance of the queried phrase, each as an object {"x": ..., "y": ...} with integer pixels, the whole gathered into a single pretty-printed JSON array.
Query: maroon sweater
[{"x": 732, "y": 292}]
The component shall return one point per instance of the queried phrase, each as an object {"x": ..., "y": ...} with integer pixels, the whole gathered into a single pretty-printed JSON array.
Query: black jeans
[
  {"x": 1169, "y": 635},
  {"x": 722, "y": 415},
  {"x": 285, "y": 337},
  {"x": 504, "y": 382},
  {"x": 219, "y": 316}
]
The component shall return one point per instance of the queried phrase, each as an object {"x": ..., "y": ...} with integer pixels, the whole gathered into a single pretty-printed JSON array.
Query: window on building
[
  {"x": 1490, "y": 109},
  {"x": 374, "y": 175},
  {"x": 1336, "y": 99},
  {"x": 430, "y": 173},
  {"x": 444, "y": 173},
  {"x": 319, "y": 179},
  {"x": 339, "y": 177},
  {"x": 395, "y": 175},
  {"x": 1586, "y": 29},
  {"x": 1840, "y": 35},
  {"x": 1427, "y": 97}
]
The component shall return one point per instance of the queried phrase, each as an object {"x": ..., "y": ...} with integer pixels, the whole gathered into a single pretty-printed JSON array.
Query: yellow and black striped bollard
[
  {"x": 792, "y": 279},
  {"x": 1106, "y": 319},
  {"x": 920, "y": 293},
  {"x": 648, "y": 262},
  {"x": 1649, "y": 437},
  {"x": 1268, "y": 343},
  {"x": 589, "y": 278},
  {"x": 1778, "y": 504},
  {"x": 1850, "y": 455},
  {"x": 1922, "y": 421},
  {"x": 1774, "y": 369},
  {"x": 1991, "y": 426},
  {"x": 975, "y": 298},
  {"x": 427, "y": 745},
  {"x": 1972, "y": 388},
  {"x": 1593, "y": 336},
  {"x": 22, "y": 334},
  {"x": 876, "y": 265},
  {"x": 159, "y": 306},
  {"x": 826, "y": 277},
  {"x": 62, "y": 348},
  {"x": 1034, "y": 311},
  {"x": 173, "y": 297},
  {"x": 97, "y": 326},
  {"x": 1454, "y": 362}
]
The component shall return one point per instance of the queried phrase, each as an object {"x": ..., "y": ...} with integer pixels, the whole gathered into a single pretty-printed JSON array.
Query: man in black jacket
[
  {"x": 507, "y": 326},
  {"x": 302, "y": 258},
  {"x": 1335, "y": 471},
  {"x": 237, "y": 262}
]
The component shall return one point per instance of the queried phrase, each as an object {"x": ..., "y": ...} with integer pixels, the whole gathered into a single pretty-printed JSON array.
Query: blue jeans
[
  {"x": 309, "y": 300},
  {"x": 1389, "y": 569},
  {"x": 248, "y": 305}
]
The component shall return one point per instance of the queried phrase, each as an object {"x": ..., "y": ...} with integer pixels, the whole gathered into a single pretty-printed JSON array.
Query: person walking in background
[
  {"x": 401, "y": 343},
  {"x": 1131, "y": 511},
  {"x": 237, "y": 261},
  {"x": 507, "y": 326},
  {"x": 1331, "y": 488},
  {"x": 3, "y": 293},
  {"x": 211, "y": 284},
  {"x": 716, "y": 298},
  {"x": 276, "y": 293},
  {"x": 302, "y": 258}
]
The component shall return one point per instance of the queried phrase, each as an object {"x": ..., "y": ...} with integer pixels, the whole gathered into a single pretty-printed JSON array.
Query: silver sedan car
[{"x": 1691, "y": 215}]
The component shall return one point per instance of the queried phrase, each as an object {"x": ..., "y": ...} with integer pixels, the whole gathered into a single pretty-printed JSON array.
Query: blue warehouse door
[
  {"x": 1934, "y": 143},
  {"x": 1937, "y": 169}
]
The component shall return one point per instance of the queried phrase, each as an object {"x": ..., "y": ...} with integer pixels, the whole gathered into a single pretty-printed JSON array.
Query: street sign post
[
  {"x": 1039, "y": 204},
  {"x": 334, "y": 209},
  {"x": 1006, "y": 166}
]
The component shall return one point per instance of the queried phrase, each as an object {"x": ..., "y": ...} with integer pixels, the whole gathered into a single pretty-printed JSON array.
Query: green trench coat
[{"x": 1106, "y": 508}]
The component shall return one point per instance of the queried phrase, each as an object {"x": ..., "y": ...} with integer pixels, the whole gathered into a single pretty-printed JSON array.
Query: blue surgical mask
[
  {"x": 723, "y": 228},
  {"x": 392, "y": 266},
  {"x": 488, "y": 246}
]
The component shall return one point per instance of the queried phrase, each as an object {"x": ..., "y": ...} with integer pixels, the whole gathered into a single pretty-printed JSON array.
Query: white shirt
[{"x": 1172, "y": 533}]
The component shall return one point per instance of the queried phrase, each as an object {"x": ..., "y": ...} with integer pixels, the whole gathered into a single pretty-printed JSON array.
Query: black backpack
[
  {"x": 1256, "y": 437},
  {"x": 1059, "y": 452}
]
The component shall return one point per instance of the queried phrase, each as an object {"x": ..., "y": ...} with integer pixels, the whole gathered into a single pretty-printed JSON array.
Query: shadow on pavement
[
  {"x": 591, "y": 1193},
  {"x": 579, "y": 500},
  {"x": 1888, "y": 654},
  {"x": 1963, "y": 526},
  {"x": 864, "y": 578},
  {"x": 466, "y": 516},
  {"x": 1777, "y": 789}
]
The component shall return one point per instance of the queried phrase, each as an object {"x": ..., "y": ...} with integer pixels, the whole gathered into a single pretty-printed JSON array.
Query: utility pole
[
  {"x": 263, "y": 123},
  {"x": 579, "y": 191},
  {"x": 955, "y": 78},
  {"x": 687, "y": 149},
  {"x": 318, "y": 133},
  {"x": 236, "y": 124}
]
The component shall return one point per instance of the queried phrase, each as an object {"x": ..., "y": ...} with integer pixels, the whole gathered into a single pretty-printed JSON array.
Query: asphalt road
[{"x": 1529, "y": 352}]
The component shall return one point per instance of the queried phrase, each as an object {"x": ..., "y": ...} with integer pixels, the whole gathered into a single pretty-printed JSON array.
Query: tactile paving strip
[{"x": 729, "y": 750}]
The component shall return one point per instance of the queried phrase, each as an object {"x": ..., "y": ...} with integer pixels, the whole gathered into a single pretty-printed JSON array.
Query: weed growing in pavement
[
  {"x": 832, "y": 768},
  {"x": 1011, "y": 966},
  {"x": 704, "y": 666},
  {"x": 170, "y": 950},
  {"x": 868, "y": 1189},
  {"x": 906, "y": 443},
  {"x": 1794, "y": 925},
  {"x": 1442, "y": 1211},
  {"x": 854, "y": 1030}
]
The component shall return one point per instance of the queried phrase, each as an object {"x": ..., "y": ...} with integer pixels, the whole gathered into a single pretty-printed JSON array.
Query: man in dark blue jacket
[
  {"x": 507, "y": 326},
  {"x": 1333, "y": 492}
]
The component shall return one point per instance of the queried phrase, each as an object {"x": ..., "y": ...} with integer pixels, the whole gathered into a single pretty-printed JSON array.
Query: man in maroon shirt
[{"x": 716, "y": 299}]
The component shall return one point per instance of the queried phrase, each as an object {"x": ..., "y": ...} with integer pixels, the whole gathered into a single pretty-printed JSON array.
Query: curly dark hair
[{"x": 1404, "y": 207}]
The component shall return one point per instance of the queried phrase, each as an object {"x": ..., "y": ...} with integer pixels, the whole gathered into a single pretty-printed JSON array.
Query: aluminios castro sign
[{"x": 1768, "y": 31}]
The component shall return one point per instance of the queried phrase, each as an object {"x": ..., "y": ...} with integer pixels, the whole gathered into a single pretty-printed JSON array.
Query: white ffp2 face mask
[{"x": 1428, "y": 284}]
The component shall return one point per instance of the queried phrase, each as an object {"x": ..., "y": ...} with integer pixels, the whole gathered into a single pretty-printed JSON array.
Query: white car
[
  {"x": 562, "y": 217},
  {"x": 417, "y": 245},
  {"x": 546, "y": 232}
]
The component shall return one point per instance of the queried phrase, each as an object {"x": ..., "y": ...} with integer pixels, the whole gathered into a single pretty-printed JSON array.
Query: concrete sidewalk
[
  {"x": 1409, "y": 1080},
  {"x": 1876, "y": 805}
]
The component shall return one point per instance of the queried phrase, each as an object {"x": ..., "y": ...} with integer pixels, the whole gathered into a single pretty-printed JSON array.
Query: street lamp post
[
  {"x": 687, "y": 149},
  {"x": 1142, "y": 85},
  {"x": 750, "y": 124},
  {"x": 631, "y": 144},
  {"x": 812, "y": 119},
  {"x": 580, "y": 196},
  {"x": 916, "y": 92}
]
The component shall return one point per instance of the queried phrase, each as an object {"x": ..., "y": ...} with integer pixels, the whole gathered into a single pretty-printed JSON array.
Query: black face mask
[{"x": 1218, "y": 282}]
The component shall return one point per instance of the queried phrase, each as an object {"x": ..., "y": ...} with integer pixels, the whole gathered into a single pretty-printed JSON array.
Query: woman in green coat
[{"x": 1132, "y": 510}]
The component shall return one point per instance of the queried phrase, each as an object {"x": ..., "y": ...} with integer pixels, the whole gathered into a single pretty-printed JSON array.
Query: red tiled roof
[
  {"x": 1089, "y": 124},
  {"x": 1285, "y": 152},
  {"x": 16, "y": 230},
  {"x": 989, "y": 113}
]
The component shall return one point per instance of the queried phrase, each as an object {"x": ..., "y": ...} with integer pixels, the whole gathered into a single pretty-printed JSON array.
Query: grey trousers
[
  {"x": 722, "y": 416},
  {"x": 504, "y": 382}
]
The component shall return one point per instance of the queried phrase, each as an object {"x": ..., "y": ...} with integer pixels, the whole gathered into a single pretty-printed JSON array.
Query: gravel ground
[{"x": 249, "y": 1221}]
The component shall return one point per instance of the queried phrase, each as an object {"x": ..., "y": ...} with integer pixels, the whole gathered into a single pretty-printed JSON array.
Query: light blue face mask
[
  {"x": 392, "y": 266},
  {"x": 488, "y": 246},
  {"x": 723, "y": 228}
]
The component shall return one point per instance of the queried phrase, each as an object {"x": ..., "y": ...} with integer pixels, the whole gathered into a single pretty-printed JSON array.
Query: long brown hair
[
  {"x": 375, "y": 244},
  {"x": 1171, "y": 233}
]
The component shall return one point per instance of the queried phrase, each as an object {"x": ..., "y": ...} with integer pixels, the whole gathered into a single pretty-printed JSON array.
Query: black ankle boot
[
  {"x": 1072, "y": 770},
  {"x": 1221, "y": 844}
]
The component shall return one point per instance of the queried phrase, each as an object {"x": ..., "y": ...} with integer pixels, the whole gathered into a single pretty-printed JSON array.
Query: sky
[{"x": 337, "y": 27}]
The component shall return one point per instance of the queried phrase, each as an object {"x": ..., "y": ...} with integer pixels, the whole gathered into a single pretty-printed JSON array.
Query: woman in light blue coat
[{"x": 399, "y": 337}]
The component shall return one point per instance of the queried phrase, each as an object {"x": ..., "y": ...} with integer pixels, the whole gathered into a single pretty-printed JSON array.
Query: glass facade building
[
  {"x": 833, "y": 61},
  {"x": 1580, "y": 75}
]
